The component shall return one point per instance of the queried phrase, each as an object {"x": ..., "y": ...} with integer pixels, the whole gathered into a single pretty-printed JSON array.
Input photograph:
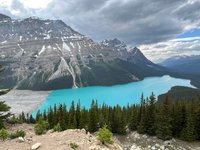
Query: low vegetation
[
  {"x": 57, "y": 128},
  {"x": 18, "y": 133},
  {"x": 3, "y": 134},
  {"x": 41, "y": 127},
  {"x": 74, "y": 145},
  {"x": 4, "y": 113},
  {"x": 105, "y": 136}
]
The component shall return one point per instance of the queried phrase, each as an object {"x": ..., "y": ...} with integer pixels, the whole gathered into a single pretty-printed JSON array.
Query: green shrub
[
  {"x": 18, "y": 133},
  {"x": 73, "y": 145},
  {"x": 3, "y": 134},
  {"x": 105, "y": 136},
  {"x": 57, "y": 128},
  {"x": 41, "y": 127},
  {"x": 13, "y": 120}
]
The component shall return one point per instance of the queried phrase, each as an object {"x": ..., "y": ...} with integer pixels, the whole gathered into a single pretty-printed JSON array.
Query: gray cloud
[
  {"x": 133, "y": 21},
  {"x": 190, "y": 12}
]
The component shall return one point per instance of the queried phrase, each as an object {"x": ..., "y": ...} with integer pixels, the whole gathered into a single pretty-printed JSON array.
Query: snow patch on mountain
[
  {"x": 66, "y": 47},
  {"x": 42, "y": 50},
  {"x": 72, "y": 45},
  {"x": 62, "y": 71}
]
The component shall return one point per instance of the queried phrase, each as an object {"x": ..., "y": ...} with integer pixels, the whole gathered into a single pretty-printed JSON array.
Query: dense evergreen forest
[
  {"x": 181, "y": 93},
  {"x": 179, "y": 119}
]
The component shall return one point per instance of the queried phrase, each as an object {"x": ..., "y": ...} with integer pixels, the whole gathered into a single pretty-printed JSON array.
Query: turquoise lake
[{"x": 112, "y": 95}]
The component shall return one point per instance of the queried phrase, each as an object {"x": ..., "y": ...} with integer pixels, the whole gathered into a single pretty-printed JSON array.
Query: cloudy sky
[{"x": 160, "y": 28}]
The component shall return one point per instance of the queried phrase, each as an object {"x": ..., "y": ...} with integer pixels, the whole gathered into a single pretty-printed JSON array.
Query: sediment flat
[{"x": 24, "y": 100}]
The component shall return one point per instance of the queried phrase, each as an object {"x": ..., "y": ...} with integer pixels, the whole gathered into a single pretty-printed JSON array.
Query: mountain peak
[
  {"x": 116, "y": 43},
  {"x": 4, "y": 17},
  {"x": 33, "y": 18}
]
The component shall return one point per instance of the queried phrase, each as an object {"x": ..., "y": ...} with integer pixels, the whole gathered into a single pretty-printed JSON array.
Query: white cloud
[
  {"x": 175, "y": 47},
  {"x": 5, "y": 3}
]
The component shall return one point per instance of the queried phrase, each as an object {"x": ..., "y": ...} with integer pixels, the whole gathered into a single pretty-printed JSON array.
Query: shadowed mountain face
[
  {"x": 47, "y": 54},
  {"x": 187, "y": 64}
]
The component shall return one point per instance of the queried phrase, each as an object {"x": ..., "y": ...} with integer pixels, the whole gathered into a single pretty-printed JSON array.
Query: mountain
[
  {"x": 42, "y": 54},
  {"x": 185, "y": 64}
]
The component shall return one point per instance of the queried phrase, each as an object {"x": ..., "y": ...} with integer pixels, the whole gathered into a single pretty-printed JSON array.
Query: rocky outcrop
[
  {"x": 57, "y": 140},
  {"x": 135, "y": 141}
]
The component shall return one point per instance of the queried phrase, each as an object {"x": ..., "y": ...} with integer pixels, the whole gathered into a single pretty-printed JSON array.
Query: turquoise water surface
[{"x": 120, "y": 94}]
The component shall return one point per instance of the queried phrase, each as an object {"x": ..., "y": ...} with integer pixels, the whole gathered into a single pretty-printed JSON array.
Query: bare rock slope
[{"x": 56, "y": 141}]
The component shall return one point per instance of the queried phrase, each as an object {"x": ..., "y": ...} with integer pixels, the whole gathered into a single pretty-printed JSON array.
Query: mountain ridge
[
  {"x": 185, "y": 64},
  {"x": 48, "y": 54}
]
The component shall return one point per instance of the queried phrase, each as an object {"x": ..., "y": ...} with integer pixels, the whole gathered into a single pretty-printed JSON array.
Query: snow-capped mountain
[{"x": 47, "y": 54}]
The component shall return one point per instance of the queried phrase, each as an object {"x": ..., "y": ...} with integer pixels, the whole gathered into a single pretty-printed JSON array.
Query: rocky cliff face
[{"x": 47, "y": 54}]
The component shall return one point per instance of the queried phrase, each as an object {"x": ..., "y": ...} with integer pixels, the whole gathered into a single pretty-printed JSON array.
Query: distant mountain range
[
  {"x": 48, "y": 54},
  {"x": 185, "y": 64}
]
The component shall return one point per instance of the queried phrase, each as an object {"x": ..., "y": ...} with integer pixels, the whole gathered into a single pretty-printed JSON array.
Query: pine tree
[
  {"x": 179, "y": 118},
  {"x": 151, "y": 115},
  {"x": 72, "y": 117},
  {"x": 84, "y": 119},
  {"x": 38, "y": 116},
  {"x": 115, "y": 119},
  {"x": 189, "y": 133},
  {"x": 4, "y": 113},
  {"x": 103, "y": 115},
  {"x": 65, "y": 115},
  {"x": 55, "y": 117},
  {"x": 122, "y": 125},
  {"x": 61, "y": 119},
  {"x": 164, "y": 127},
  {"x": 105, "y": 136},
  {"x": 50, "y": 118},
  {"x": 133, "y": 119},
  {"x": 142, "y": 126},
  {"x": 45, "y": 115},
  {"x": 93, "y": 119},
  {"x": 31, "y": 119},
  {"x": 78, "y": 115},
  {"x": 23, "y": 118},
  {"x": 198, "y": 119}
]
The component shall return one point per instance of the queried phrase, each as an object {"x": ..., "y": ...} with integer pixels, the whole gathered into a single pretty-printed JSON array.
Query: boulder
[
  {"x": 20, "y": 139},
  {"x": 169, "y": 142},
  {"x": 83, "y": 131},
  {"x": 135, "y": 147},
  {"x": 36, "y": 146}
]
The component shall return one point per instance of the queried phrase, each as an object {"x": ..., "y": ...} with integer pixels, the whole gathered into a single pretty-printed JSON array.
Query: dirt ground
[{"x": 55, "y": 140}]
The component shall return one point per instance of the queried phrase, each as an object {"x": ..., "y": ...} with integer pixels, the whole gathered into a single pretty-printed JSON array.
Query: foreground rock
[
  {"x": 56, "y": 141},
  {"x": 20, "y": 139},
  {"x": 36, "y": 146},
  {"x": 135, "y": 141}
]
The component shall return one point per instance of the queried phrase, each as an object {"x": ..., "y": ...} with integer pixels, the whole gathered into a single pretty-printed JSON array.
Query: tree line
[{"x": 166, "y": 119}]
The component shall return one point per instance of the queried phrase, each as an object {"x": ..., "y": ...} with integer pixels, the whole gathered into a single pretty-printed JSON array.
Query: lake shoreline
[{"x": 24, "y": 100}]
